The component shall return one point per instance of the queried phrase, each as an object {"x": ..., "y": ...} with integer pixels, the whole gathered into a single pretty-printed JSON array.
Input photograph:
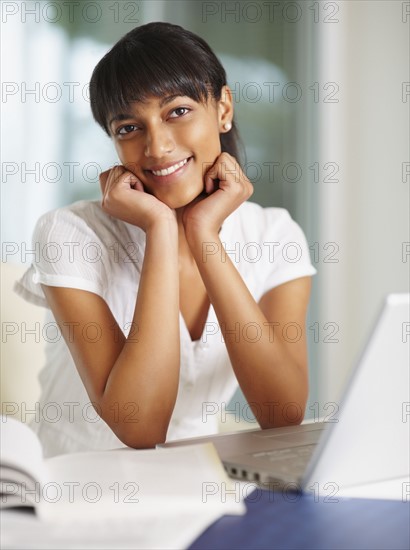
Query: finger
[
  {"x": 132, "y": 180},
  {"x": 139, "y": 186},
  {"x": 108, "y": 179},
  {"x": 211, "y": 178},
  {"x": 210, "y": 184},
  {"x": 103, "y": 180},
  {"x": 116, "y": 175}
]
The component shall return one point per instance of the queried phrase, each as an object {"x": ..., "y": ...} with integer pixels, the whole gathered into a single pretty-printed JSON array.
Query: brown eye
[
  {"x": 126, "y": 129},
  {"x": 179, "y": 111}
]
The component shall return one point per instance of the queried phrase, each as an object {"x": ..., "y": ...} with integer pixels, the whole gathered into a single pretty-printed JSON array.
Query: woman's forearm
[
  {"x": 146, "y": 373},
  {"x": 268, "y": 374}
]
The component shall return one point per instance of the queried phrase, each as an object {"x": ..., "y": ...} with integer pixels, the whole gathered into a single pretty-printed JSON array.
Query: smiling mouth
[{"x": 171, "y": 169}]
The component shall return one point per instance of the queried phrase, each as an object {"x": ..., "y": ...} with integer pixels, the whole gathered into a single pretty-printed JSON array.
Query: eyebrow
[{"x": 125, "y": 116}]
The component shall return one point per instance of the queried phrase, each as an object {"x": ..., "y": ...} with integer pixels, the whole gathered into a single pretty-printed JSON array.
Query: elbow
[
  {"x": 293, "y": 412},
  {"x": 289, "y": 413},
  {"x": 131, "y": 426},
  {"x": 140, "y": 437},
  {"x": 280, "y": 422},
  {"x": 138, "y": 441},
  {"x": 288, "y": 409},
  {"x": 296, "y": 421},
  {"x": 137, "y": 432}
]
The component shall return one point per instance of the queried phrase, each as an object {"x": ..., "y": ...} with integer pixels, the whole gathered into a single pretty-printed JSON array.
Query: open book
[{"x": 116, "y": 483}]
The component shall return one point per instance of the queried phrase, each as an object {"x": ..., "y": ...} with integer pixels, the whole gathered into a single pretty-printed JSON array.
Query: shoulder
[
  {"x": 267, "y": 245},
  {"x": 85, "y": 219},
  {"x": 81, "y": 213},
  {"x": 255, "y": 222}
]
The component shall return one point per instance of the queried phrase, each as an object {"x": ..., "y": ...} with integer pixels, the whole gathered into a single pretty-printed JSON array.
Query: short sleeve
[
  {"x": 266, "y": 245},
  {"x": 67, "y": 253},
  {"x": 286, "y": 252}
]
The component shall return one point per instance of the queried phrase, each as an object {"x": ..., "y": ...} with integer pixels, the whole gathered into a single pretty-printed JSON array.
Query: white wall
[{"x": 367, "y": 212}]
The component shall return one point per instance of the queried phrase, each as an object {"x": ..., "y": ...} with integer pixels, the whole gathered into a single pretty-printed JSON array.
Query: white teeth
[{"x": 170, "y": 170}]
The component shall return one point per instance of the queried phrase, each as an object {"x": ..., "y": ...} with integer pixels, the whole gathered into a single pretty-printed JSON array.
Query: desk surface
[
  {"x": 271, "y": 522},
  {"x": 274, "y": 521}
]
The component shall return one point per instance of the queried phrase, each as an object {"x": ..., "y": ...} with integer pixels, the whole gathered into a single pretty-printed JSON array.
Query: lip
[{"x": 170, "y": 177}]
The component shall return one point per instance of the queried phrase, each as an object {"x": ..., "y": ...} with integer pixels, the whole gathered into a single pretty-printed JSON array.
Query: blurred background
[{"x": 322, "y": 98}]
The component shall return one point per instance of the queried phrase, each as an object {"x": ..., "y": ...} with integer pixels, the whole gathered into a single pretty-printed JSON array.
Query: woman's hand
[
  {"x": 226, "y": 188},
  {"x": 124, "y": 198}
]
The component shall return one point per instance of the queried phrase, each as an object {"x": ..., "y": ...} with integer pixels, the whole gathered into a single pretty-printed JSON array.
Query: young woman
[{"x": 173, "y": 289}]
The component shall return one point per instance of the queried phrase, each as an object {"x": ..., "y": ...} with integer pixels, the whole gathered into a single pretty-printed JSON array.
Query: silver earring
[{"x": 227, "y": 126}]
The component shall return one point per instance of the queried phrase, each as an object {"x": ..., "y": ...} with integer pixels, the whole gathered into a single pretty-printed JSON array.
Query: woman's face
[{"x": 169, "y": 143}]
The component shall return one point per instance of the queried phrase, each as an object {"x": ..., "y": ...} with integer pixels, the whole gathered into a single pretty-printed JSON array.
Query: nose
[{"x": 159, "y": 141}]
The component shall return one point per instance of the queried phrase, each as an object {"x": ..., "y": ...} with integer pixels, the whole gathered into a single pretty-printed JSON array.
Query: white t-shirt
[{"x": 80, "y": 246}]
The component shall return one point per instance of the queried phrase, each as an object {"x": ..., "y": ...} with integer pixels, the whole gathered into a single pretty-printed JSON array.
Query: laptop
[{"x": 364, "y": 445}]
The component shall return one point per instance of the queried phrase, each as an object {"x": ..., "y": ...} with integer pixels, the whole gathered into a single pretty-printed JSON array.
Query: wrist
[
  {"x": 167, "y": 225},
  {"x": 202, "y": 241},
  {"x": 166, "y": 217},
  {"x": 198, "y": 230}
]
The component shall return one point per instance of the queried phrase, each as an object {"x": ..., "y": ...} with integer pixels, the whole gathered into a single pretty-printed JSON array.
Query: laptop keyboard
[{"x": 290, "y": 460}]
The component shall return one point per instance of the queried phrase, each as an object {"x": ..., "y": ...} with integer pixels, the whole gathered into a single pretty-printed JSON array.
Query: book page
[
  {"x": 17, "y": 488},
  {"x": 25, "y": 531},
  {"x": 20, "y": 448},
  {"x": 138, "y": 483}
]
